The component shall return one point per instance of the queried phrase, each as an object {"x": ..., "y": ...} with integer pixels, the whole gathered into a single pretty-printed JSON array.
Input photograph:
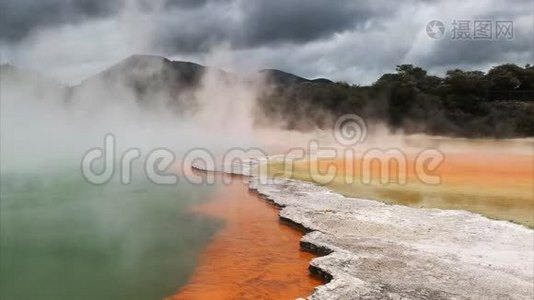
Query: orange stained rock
[
  {"x": 254, "y": 256},
  {"x": 493, "y": 170},
  {"x": 498, "y": 185}
]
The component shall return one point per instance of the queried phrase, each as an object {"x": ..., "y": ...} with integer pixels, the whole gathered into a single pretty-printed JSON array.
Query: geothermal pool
[{"x": 62, "y": 238}]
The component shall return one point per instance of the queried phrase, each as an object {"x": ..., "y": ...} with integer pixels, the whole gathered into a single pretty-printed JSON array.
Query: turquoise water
[{"x": 63, "y": 238}]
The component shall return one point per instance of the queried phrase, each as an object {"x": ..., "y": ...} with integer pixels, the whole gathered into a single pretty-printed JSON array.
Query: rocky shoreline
[{"x": 370, "y": 250}]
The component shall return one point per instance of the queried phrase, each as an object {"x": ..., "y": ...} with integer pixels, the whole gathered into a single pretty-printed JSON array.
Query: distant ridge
[
  {"x": 190, "y": 72},
  {"x": 281, "y": 77},
  {"x": 141, "y": 67},
  {"x": 152, "y": 77},
  {"x": 498, "y": 103},
  {"x": 185, "y": 72}
]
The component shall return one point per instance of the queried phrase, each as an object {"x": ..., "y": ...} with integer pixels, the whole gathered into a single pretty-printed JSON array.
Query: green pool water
[{"x": 63, "y": 238}]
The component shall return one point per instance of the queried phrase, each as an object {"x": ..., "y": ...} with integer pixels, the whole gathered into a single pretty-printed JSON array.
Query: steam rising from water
[
  {"x": 227, "y": 104},
  {"x": 39, "y": 130}
]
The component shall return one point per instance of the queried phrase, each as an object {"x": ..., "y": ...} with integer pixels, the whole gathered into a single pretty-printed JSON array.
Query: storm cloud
[
  {"x": 19, "y": 18},
  {"x": 349, "y": 40}
]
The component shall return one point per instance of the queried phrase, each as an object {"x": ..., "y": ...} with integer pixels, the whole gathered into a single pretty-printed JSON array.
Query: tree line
[{"x": 498, "y": 103}]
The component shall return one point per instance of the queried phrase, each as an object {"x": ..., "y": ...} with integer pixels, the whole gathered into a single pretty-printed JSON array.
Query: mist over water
[
  {"x": 43, "y": 126},
  {"x": 63, "y": 237}
]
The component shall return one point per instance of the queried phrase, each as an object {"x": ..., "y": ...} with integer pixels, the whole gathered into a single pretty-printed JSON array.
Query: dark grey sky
[{"x": 349, "y": 40}]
